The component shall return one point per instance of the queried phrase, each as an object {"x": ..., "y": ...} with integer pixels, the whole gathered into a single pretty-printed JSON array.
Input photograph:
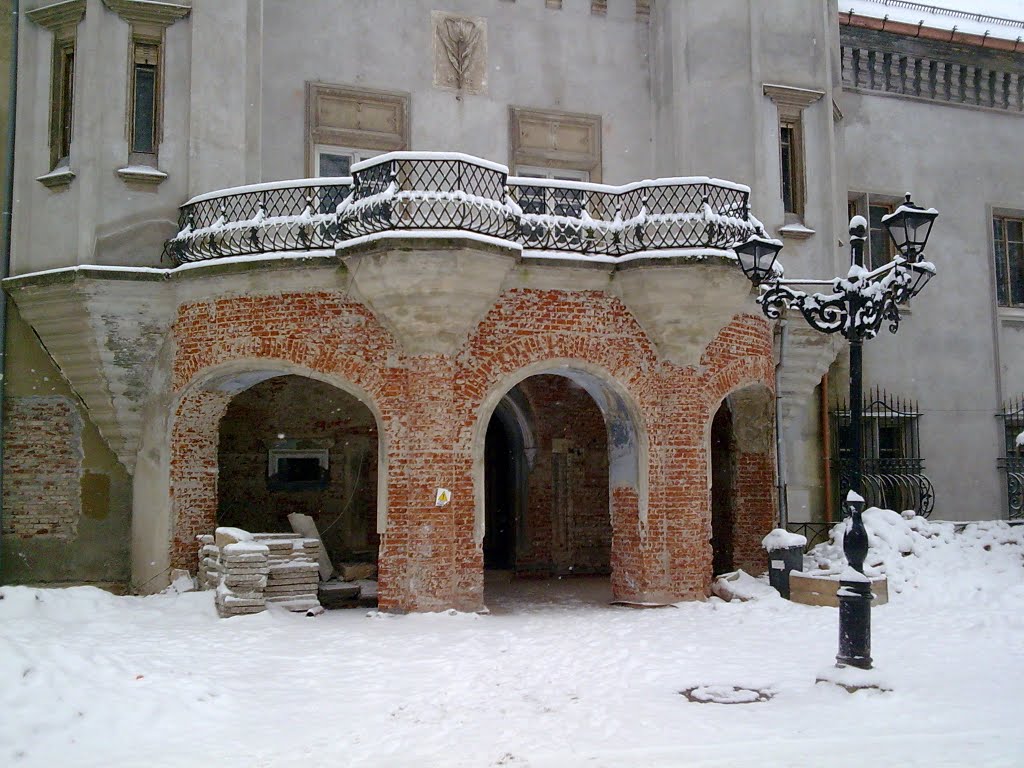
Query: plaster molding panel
[{"x": 460, "y": 52}]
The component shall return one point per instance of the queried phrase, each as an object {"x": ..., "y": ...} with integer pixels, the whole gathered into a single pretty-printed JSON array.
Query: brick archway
[
  {"x": 627, "y": 453},
  {"x": 429, "y": 410},
  {"x": 194, "y": 443},
  {"x": 226, "y": 345},
  {"x": 662, "y": 551}
]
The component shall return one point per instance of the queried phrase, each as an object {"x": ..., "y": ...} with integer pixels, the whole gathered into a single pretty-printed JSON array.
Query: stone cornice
[
  {"x": 58, "y": 16},
  {"x": 788, "y": 96},
  {"x": 150, "y": 11}
]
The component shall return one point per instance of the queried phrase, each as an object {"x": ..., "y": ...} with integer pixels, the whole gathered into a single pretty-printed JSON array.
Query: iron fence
[
  {"x": 618, "y": 221},
  {"x": 1012, "y": 463},
  {"x": 263, "y": 218},
  {"x": 405, "y": 191},
  {"x": 892, "y": 469},
  {"x": 815, "y": 533}
]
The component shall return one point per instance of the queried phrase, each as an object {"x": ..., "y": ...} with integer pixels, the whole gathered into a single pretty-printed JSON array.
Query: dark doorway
[
  {"x": 722, "y": 491},
  {"x": 501, "y": 497}
]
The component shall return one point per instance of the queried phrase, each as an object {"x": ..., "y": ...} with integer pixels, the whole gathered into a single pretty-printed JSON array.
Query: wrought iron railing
[
  {"x": 261, "y": 218},
  {"x": 815, "y": 533},
  {"x": 620, "y": 221},
  {"x": 429, "y": 191},
  {"x": 892, "y": 470},
  {"x": 1012, "y": 463}
]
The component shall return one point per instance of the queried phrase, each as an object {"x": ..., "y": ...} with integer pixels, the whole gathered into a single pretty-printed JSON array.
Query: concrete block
[{"x": 821, "y": 590}]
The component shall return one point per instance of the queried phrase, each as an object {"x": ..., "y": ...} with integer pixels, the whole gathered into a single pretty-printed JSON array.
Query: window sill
[
  {"x": 796, "y": 231},
  {"x": 145, "y": 175},
  {"x": 1013, "y": 315},
  {"x": 58, "y": 179}
]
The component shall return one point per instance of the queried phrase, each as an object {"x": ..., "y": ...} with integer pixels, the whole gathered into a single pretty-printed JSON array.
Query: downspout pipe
[
  {"x": 780, "y": 443},
  {"x": 5, "y": 231}
]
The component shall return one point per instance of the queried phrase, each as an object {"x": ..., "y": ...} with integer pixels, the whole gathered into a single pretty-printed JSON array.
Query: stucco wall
[
  {"x": 946, "y": 353},
  {"x": 566, "y": 59}
]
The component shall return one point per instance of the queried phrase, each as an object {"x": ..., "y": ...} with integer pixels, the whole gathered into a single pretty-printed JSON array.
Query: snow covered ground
[{"x": 89, "y": 679}]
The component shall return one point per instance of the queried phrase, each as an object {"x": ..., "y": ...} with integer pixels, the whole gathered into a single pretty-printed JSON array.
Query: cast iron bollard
[{"x": 855, "y": 593}]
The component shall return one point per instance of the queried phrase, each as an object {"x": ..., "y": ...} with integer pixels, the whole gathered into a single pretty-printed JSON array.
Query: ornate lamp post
[{"x": 855, "y": 306}]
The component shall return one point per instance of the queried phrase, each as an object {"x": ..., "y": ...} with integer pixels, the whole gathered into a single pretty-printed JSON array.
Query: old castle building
[{"x": 456, "y": 279}]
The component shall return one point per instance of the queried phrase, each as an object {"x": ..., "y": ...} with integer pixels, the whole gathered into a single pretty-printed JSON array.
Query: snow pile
[{"x": 936, "y": 559}]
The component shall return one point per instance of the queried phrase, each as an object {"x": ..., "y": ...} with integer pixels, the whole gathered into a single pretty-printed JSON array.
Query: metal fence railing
[
  {"x": 1012, "y": 462},
  {"x": 430, "y": 191},
  {"x": 892, "y": 469}
]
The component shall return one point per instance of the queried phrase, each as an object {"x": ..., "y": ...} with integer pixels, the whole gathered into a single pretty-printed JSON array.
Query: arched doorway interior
[
  {"x": 742, "y": 475},
  {"x": 556, "y": 446},
  {"x": 294, "y": 444}
]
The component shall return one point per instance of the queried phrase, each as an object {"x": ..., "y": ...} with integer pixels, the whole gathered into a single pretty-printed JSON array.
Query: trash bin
[{"x": 785, "y": 554}]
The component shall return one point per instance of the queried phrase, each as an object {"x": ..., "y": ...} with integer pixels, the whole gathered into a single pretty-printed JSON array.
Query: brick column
[{"x": 429, "y": 559}]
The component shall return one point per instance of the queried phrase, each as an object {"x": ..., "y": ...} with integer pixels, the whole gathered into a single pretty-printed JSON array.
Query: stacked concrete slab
[
  {"x": 209, "y": 562},
  {"x": 294, "y": 573},
  {"x": 244, "y": 569},
  {"x": 250, "y": 570}
]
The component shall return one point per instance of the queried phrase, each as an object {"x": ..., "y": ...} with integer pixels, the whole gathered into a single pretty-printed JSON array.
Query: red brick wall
[
  {"x": 42, "y": 467},
  {"x": 432, "y": 409},
  {"x": 567, "y": 528}
]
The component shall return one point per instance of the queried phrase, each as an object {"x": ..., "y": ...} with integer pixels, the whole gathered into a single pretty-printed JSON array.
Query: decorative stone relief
[{"x": 460, "y": 52}]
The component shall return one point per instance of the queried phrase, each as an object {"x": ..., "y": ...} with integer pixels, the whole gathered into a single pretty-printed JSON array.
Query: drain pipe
[
  {"x": 780, "y": 444},
  {"x": 5, "y": 258}
]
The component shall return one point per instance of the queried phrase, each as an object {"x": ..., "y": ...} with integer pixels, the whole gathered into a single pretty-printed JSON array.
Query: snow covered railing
[
  {"x": 449, "y": 191},
  {"x": 277, "y": 216},
  {"x": 689, "y": 212}
]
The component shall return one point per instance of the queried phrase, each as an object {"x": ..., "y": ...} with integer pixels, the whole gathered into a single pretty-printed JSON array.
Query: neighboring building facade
[{"x": 582, "y": 367}]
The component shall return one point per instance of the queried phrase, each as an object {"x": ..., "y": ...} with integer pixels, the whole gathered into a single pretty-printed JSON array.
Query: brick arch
[
  {"x": 627, "y": 457},
  {"x": 225, "y": 345},
  {"x": 194, "y": 440},
  {"x": 748, "y": 381}
]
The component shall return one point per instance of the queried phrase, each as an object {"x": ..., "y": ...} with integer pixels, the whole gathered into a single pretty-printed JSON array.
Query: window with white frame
[
  {"x": 878, "y": 248},
  {"x": 329, "y": 160}
]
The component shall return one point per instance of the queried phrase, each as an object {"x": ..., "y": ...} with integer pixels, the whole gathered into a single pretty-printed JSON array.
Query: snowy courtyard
[{"x": 551, "y": 677}]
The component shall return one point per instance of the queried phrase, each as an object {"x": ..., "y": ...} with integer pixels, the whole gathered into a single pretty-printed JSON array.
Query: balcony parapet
[{"x": 442, "y": 192}]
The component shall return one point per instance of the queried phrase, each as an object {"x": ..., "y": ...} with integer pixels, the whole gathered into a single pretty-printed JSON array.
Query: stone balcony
[{"x": 427, "y": 241}]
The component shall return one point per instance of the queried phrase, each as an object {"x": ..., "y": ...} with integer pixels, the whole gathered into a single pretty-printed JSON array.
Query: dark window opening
[
  {"x": 145, "y": 93},
  {"x": 1008, "y": 244},
  {"x": 62, "y": 106},
  {"x": 879, "y": 243},
  {"x": 298, "y": 470},
  {"x": 891, "y": 465},
  {"x": 787, "y": 146}
]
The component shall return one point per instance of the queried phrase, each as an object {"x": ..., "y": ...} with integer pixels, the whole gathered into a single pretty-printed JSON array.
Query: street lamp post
[{"x": 855, "y": 306}]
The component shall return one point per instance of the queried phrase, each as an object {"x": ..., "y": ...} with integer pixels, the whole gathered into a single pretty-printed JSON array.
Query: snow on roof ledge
[{"x": 981, "y": 18}]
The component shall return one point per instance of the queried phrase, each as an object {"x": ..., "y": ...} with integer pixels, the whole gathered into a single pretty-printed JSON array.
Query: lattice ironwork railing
[
  {"x": 892, "y": 469},
  {"x": 262, "y": 218},
  {"x": 618, "y": 221},
  {"x": 1012, "y": 462},
  {"x": 405, "y": 191}
]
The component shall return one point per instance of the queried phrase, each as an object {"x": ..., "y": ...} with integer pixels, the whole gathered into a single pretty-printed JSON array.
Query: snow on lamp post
[{"x": 855, "y": 306}]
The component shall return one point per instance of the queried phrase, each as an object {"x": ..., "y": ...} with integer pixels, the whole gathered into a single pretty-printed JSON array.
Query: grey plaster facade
[{"x": 681, "y": 87}]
